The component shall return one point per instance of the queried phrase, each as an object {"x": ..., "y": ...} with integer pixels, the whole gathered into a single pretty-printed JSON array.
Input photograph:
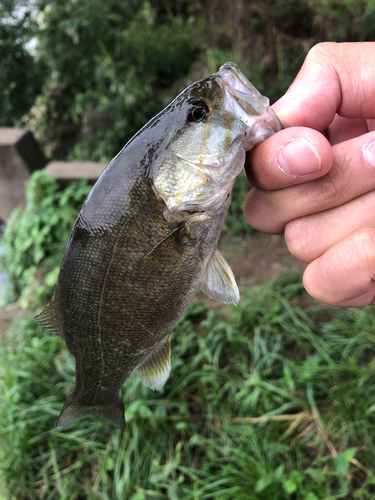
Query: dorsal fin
[
  {"x": 219, "y": 282},
  {"x": 155, "y": 370},
  {"x": 49, "y": 318}
]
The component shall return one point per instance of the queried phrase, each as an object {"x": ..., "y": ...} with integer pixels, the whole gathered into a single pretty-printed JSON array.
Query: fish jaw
[{"x": 244, "y": 101}]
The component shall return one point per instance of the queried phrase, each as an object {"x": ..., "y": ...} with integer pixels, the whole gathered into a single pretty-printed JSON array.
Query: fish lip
[
  {"x": 237, "y": 88},
  {"x": 244, "y": 101},
  {"x": 190, "y": 211},
  {"x": 232, "y": 69}
]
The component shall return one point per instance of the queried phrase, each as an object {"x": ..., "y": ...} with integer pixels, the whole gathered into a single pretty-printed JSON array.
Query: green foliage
[
  {"x": 129, "y": 59},
  {"x": 134, "y": 89},
  {"x": 117, "y": 57},
  {"x": 345, "y": 20},
  {"x": 275, "y": 403},
  {"x": 235, "y": 223},
  {"x": 38, "y": 234},
  {"x": 20, "y": 78}
]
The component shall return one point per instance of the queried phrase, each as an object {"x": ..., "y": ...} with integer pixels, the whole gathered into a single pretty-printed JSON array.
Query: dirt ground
[{"x": 260, "y": 258}]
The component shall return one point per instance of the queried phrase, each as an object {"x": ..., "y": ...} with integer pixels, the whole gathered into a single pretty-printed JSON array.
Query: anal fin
[
  {"x": 219, "y": 282},
  {"x": 155, "y": 369},
  {"x": 49, "y": 318}
]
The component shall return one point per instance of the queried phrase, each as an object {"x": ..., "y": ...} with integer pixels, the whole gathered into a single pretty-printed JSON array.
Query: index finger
[{"x": 335, "y": 78}]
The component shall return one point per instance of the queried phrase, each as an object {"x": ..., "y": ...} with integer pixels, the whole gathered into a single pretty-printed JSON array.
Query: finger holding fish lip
[
  {"x": 292, "y": 156},
  {"x": 328, "y": 95},
  {"x": 352, "y": 175}
]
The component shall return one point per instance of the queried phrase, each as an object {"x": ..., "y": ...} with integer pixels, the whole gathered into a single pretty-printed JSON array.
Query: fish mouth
[
  {"x": 245, "y": 102},
  {"x": 240, "y": 94}
]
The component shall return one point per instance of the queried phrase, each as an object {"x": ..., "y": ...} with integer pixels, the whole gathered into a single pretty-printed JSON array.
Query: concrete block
[
  {"x": 65, "y": 173},
  {"x": 19, "y": 156}
]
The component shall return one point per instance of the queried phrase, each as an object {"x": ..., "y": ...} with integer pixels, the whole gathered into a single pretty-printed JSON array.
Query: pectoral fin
[
  {"x": 155, "y": 370},
  {"x": 219, "y": 282}
]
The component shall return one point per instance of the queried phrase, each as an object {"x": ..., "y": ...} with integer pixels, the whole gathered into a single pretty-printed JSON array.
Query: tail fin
[{"x": 73, "y": 410}]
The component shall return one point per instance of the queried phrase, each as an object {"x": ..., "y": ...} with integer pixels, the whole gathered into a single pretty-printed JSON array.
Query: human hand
[{"x": 320, "y": 189}]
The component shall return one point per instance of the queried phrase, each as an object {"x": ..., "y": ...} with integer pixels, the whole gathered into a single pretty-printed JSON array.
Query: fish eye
[{"x": 198, "y": 112}]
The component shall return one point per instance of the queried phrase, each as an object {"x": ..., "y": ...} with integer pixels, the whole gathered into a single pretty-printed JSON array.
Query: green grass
[{"x": 269, "y": 400}]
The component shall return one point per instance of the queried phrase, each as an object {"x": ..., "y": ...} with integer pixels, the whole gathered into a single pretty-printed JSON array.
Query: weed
[
  {"x": 38, "y": 234},
  {"x": 273, "y": 404}
]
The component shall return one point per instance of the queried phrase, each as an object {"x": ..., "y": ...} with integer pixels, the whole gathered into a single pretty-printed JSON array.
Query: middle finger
[{"x": 352, "y": 174}]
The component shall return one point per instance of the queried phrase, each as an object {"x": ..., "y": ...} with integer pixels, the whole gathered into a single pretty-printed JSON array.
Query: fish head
[{"x": 215, "y": 121}]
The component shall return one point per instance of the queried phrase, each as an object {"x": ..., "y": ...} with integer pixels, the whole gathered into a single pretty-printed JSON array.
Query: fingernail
[
  {"x": 370, "y": 153},
  {"x": 299, "y": 157}
]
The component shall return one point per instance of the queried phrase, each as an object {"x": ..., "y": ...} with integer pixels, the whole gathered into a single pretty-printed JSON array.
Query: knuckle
[
  {"x": 298, "y": 240},
  {"x": 331, "y": 188},
  {"x": 261, "y": 212},
  {"x": 321, "y": 49},
  {"x": 363, "y": 243},
  {"x": 328, "y": 194}
]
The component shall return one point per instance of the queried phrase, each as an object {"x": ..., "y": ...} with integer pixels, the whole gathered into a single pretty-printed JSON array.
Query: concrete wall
[
  {"x": 65, "y": 173},
  {"x": 20, "y": 155}
]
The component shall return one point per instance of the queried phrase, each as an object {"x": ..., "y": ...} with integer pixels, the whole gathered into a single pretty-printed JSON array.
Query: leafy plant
[
  {"x": 122, "y": 58},
  {"x": 37, "y": 235},
  {"x": 17, "y": 92}
]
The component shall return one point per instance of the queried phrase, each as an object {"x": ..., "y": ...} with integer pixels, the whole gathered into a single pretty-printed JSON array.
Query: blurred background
[
  {"x": 273, "y": 399},
  {"x": 63, "y": 62}
]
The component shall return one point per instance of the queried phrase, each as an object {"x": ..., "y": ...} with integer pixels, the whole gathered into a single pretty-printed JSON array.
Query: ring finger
[{"x": 309, "y": 237}]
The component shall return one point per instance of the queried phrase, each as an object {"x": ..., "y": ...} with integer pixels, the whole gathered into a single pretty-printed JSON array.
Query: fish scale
[{"x": 146, "y": 239}]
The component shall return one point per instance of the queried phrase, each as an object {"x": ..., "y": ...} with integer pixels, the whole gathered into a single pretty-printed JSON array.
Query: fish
[{"x": 146, "y": 240}]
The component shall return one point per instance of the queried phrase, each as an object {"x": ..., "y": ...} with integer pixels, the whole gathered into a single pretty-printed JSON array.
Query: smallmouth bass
[{"x": 146, "y": 239}]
